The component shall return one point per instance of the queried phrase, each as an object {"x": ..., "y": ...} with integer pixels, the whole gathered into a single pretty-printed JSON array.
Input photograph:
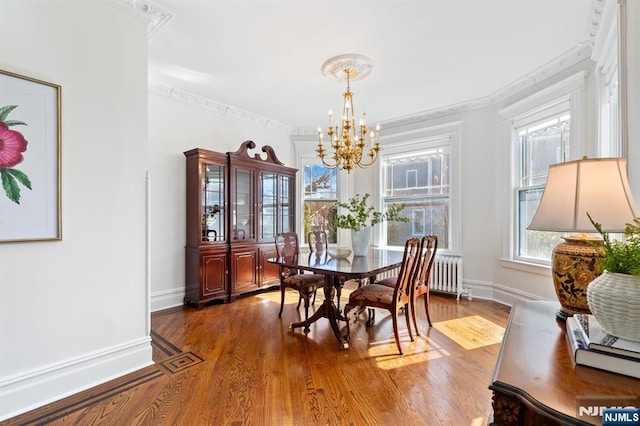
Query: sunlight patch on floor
[
  {"x": 420, "y": 350},
  {"x": 479, "y": 421},
  {"x": 471, "y": 332}
]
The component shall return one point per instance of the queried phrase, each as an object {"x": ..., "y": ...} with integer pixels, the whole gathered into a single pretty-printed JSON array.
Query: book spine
[{"x": 575, "y": 338}]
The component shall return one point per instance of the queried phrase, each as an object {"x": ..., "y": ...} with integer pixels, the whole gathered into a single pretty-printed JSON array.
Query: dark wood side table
[{"x": 535, "y": 382}]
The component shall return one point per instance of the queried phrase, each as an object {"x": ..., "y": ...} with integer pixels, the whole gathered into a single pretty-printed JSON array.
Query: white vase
[
  {"x": 360, "y": 241},
  {"x": 614, "y": 300}
]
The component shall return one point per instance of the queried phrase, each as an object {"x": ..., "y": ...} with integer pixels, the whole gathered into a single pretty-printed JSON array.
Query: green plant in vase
[
  {"x": 360, "y": 217},
  {"x": 620, "y": 257},
  {"x": 614, "y": 296}
]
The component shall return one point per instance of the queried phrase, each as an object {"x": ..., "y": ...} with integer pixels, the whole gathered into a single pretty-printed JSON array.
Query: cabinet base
[{"x": 199, "y": 304}]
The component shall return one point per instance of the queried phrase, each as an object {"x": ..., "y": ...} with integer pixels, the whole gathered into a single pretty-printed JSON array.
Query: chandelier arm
[{"x": 373, "y": 160}]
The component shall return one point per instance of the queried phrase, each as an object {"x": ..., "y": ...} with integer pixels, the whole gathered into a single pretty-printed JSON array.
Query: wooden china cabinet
[{"x": 236, "y": 203}]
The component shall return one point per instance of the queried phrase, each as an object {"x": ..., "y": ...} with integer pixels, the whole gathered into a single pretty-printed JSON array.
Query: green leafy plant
[
  {"x": 618, "y": 256},
  {"x": 360, "y": 214}
]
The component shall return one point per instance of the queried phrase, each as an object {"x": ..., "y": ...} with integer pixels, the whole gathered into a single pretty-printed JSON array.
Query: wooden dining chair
[
  {"x": 428, "y": 247},
  {"x": 318, "y": 241},
  {"x": 287, "y": 245},
  {"x": 394, "y": 299},
  {"x": 423, "y": 277}
]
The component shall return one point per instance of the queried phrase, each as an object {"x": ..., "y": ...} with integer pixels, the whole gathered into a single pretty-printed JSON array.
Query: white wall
[
  {"x": 175, "y": 127},
  {"x": 73, "y": 313}
]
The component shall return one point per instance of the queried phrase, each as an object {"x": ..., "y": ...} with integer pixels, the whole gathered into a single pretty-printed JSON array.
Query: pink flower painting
[{"x": 12, "y": 145}]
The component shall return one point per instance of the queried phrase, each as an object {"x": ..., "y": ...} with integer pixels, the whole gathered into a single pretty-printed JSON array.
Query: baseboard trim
[
  {"x": 27, "y": 391},
  {"x": 498, "y": 293},
  {"x": 167, "y": 299}
]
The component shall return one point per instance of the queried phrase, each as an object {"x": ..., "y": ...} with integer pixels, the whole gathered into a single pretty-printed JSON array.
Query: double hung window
[
  {"x": 419, "y": 179},
  {"x": 542, "y": 139},
  {"x": 320, "y": 192}
]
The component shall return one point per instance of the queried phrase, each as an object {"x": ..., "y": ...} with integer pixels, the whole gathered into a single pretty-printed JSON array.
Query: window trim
[
  {"x": 305, "y": 153},
  {"x": 571, "y": 89},
  {"x": 420, "y": 139}
]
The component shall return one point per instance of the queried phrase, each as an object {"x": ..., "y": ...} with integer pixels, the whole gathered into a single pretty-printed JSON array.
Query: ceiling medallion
[{"x": 359, "y": 65}]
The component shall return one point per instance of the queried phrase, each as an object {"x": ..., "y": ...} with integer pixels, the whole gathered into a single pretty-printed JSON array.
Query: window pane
[
  {"x": 422, "y": 173},
  {"x": 427, "y": 216},
  {"x": 534, "y": 244},
  {"x": 319, "y": 215},
  {"x": 320, "y": 182},
  {"x": 540, "y": 149},
  {"x": 320, "y": 192},
  {"x": 542, "y": 142},
  {"x": 420, "y": 180}
]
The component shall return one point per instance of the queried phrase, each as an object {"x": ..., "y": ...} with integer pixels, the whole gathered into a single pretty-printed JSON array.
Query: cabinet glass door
[
  {"x": 243, "y": 209},
  {"x": 213, "y": 202},
  {"x": 286, "y": 216},
  {"x": 268, "y": 205}
]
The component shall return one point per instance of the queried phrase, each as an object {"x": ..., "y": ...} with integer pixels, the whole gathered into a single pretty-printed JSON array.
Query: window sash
[
  {"x": 429, "y": 199},
  {"x": 320, "y": 192},
  {"x": 541, "y": 143}
]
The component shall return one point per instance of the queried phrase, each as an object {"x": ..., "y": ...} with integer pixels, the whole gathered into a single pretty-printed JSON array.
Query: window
[
  {"x": 420, "y": 180},
  {"x": 542, "y": 140},
  {"x": 320, "y": 192}
]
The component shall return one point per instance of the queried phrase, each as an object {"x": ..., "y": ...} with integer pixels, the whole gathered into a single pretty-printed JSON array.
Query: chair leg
[
  {"x": 299, "y": 300},
  {"x": 306, "y": 294},
  {"x": 306, "y": 305},
  {"x": 395, "y": 333},
  {"x": 371, "y": 317},
  {"x": 282, "y": 290},
  {"x": 347, "y": 308},
  {"x": 413, "y": 314},
  {"x": 406, "y": 316},
  {"x": 426, "y": 308}
]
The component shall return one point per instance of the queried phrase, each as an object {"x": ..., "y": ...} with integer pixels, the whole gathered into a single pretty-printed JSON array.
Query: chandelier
[{"x": 352, "y": 146}]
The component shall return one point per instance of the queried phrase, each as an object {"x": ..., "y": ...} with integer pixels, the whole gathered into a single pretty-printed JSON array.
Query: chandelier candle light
[{"x": 348, "y": 142}]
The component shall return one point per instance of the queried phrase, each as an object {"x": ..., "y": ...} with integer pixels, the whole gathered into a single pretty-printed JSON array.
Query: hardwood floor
[{"x": 238, "y": 364}]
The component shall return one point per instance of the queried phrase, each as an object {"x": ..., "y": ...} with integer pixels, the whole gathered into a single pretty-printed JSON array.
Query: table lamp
[{"x": 596, "y": 186}]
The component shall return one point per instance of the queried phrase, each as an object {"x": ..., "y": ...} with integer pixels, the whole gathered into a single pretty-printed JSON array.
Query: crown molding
[
  {"x": 597, "y": 19},
  {"x": 217, "y": 107},
  {"x": 574, "y": 56},
  {"x": 149, "y": 13},
  {"x": 570, "y": 58}
]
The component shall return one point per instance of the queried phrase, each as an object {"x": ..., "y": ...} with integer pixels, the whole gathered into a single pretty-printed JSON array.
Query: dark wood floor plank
[{"x": 238, "y": 363}]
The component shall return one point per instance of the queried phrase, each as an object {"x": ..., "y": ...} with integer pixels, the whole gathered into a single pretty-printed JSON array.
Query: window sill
[{"x": 532, "y": 268}]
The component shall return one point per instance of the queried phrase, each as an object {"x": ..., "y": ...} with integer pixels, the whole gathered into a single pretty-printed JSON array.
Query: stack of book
[{"x": 593, "y": 347}]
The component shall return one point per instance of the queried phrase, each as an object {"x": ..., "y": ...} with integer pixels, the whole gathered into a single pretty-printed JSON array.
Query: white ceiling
[{"x": 264, "y": 56}]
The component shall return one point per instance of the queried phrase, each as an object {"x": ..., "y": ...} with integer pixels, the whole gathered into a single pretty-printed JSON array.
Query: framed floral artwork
[{"x": 29, "y": 159}]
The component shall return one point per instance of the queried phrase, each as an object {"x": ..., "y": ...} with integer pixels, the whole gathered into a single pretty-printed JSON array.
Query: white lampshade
[{"x": 596, "y": 186}]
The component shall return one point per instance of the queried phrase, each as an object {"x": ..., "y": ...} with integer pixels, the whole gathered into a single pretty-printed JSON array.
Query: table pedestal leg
[{"x": 327, "y": 310}]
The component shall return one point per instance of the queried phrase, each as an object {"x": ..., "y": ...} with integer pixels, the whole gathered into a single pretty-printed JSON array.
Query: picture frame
[{"x": 30, "y": 159}]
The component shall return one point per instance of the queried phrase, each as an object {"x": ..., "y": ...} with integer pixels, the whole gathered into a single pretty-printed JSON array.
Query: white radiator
[{"x": 446, "y": 275}]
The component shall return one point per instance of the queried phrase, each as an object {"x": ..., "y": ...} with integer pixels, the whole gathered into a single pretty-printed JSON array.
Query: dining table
[{"x": 336, "y": 272}]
